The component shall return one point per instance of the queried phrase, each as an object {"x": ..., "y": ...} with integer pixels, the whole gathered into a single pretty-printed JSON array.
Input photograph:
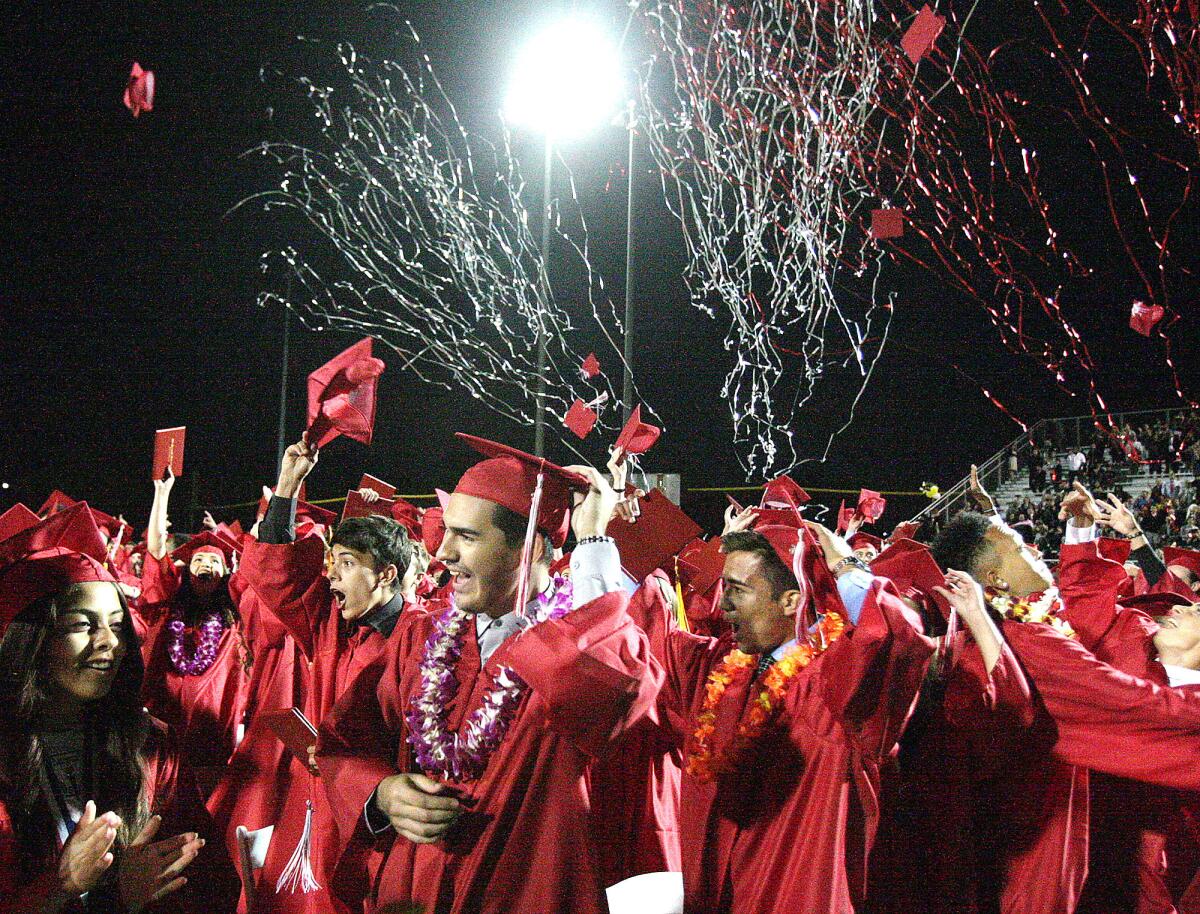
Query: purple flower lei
[
  {"x": 439, "y": 751},
  {"x": 464, "y": 756},
  {"x": 207, "y": 639},
  {"x": 557, "y": 602}
]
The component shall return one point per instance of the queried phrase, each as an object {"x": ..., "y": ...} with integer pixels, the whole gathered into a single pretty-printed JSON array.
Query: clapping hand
[
  {"x": 88, "y": 852},
  {"x": 151, "y": 871}
]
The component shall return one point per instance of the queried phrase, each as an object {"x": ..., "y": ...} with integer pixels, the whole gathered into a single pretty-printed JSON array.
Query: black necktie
[{"x": 764, "y": 663}]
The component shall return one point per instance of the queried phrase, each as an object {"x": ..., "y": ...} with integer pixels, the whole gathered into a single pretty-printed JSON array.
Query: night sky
[{"x": 129, "y": 288}]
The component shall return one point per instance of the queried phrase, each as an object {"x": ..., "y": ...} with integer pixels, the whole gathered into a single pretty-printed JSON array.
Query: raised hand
[
  {"x": 208, "y": 521},
  {"x": 164, "y": 486},
  {"x": 593, "y": 511},
  {"x": 419, "y": 808},
  {"x": 1116, "y": 516},
  {"x": 738, "y": 521},
  {"x": 370, "y": 496},
  {"x": 1078, "y": 504},
  {"x": 833, "y": 546},
  {"x": 979, "y": 494},
  {"x": 298, "y": 462},
  {"x": 150, "y": 871},
  {"x": 88, "y": 852}
]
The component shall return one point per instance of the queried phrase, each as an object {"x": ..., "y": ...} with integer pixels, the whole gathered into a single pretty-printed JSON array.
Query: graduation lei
[
  {"x": 463, "y": 756},
  {"x": 707, "y": 762},
  {"x": 1044, "y": 607}
]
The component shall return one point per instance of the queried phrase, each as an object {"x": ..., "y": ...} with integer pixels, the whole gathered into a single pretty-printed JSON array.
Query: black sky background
[{"x": 127, "y": 289}]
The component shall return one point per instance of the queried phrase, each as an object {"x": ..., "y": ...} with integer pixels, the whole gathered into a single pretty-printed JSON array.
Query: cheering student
[
  {"x": 458, "y": 766},
  {"x": 337, "y": 621},
  {"x": 88, "y": 779},
  {"x": 194, "y": 644}
]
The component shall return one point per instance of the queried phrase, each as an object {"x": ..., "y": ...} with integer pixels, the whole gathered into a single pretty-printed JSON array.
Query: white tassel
[{"x": 298, "y": 876}]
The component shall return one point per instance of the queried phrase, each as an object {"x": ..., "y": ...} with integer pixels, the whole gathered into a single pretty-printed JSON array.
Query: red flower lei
[{"x": 706, "y": 762}]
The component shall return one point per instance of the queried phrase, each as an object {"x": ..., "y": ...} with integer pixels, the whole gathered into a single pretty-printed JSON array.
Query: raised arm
[{"x": 156, "y": 527}]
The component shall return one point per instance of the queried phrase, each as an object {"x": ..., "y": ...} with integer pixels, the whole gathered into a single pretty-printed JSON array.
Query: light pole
[{"x": 567, "y": 81}]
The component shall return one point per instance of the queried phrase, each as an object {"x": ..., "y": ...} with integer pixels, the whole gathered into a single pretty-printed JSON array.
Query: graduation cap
[
  {"x": 784, "y": 492},
  {"x": 139, "y": 90},
  {"x": 408, "y": 516},
  {"x": 921, "y": 35},
  {"x": 637, "y": 436},
  {"x": 580, "y": 419},
  {"x": 1185, "y": 558},
  {"x": 65, "y": 548},
  {"x": 660, "y": 532},
  {"x": 341, "y": 396},
  {"x": 509, "y": 477},
  {"x": 1144, "y": 318},
  {"x": 797, "y": 548},
  {"x": 56, "y": 501},
  {"x": 861, "y": 540},
  {"x": 701, "y": 564},
  {"x": 870, "y": 505},
  {"x": 590, "y": 366},
  {"x": 527, "y": 485},
  {"x": 1156, "y": 605},
  {"x": 887, "y": 223},
  {"x": 911, "y": 567},
  {"x": 16, "y": 519},
  {"x": 208, "y": 541},
  {"x": 905, "y": 530},
  {"x": 845, "y": 517},
  {"x": 313, "y": 519},
  {"x": 433, "y": 529},
  {"x": 112, "y": 526}
]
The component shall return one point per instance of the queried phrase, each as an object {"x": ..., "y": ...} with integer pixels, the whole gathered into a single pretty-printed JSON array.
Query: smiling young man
[
  {"x": 338, "y": 617},
  {"x": 458, "y": 767}
]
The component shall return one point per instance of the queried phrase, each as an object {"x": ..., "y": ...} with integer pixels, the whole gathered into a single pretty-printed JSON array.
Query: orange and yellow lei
[{"x": 706, "y": 762}]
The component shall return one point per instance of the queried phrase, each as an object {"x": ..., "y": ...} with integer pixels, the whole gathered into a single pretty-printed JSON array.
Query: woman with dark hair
[
  {"x": 194, "y": 646},
  {"x": 88, "y": 778}
]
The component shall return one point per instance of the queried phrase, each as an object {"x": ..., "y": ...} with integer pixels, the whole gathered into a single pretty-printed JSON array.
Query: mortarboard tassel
[
  {"x": 535, "y": 505},
  {"x": 298, "y": 874},
  {"x": 680, "y": 612}
]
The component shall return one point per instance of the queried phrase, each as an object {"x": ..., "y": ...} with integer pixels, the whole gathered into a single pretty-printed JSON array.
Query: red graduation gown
[
  {"x": 946, "y": 834},
  {"x": 170, "y": 786},
  {"x": 1128, "y": 820},
  {"x": 310, "y": 657},
  {"x": 205, "y": 710},
  {"x": 794, "y": 837},
  {"x": 525, "y": 844}
]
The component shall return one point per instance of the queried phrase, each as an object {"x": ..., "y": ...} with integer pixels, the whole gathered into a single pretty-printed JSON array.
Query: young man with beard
[
  {"x": 338, "y": 621},
  {"x": 458, "y": 766}
]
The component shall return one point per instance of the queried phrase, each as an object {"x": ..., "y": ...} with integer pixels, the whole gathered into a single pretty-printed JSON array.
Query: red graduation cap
[
  {"x": 797, "y": 548},
  {"x": 112, "y": 526},
  {"x": 845, "y": 517},
  {"x": 509, "y": 477},
  {"x": 911, "y": 567},
  {"x": 783, "y": 492},
  {"x": 860, "y": 539},
  {"x": 905, "y": 530},
  {"x": 168, "y": 451},
  {"x": 870, "y": 505},
  {"x": 1185, "y": 558},
  {"x": 1156, "y": 605},
  {"x": 139, "y": 90},
  {"x": 207, "y": 541},
  {"x": 56, "y": 501},
  {"x": 921, "y": 35},
  {"x": 65, "y": 548},
  {"x": 637, "y": 437},
  {"x": 660, "y": 532},
  {"x": 590, "y": 366},
  {"x": 1144, "y": 318},
  {"x": 887, "y": 223},
  {"x": 312, "y": 518},
  {"x": 341, "y": 396},
  {"x": 16, "y": 519},
  {"x": 433, "y": 529},
  {"x": 408, "y": 516},
  {"x": 701, "y": 564},
  {"x": 580, "y": 418}
]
